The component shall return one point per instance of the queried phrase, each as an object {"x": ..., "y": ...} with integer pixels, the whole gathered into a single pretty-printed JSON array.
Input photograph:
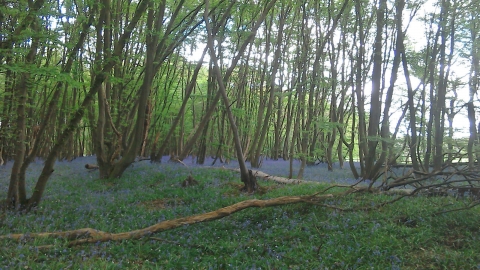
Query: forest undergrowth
[{"x": 410, "y": 233}]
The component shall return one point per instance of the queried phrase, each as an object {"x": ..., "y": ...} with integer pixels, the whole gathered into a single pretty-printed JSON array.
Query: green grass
[{"x": 403, "y": 235}]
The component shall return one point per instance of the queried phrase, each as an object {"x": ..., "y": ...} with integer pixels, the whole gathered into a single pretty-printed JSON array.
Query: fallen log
[
  {"x": 91, "y": 166},
  {"x": 89, "y": 235},
  {"x": 354, "y": 187},
  {"x": 278, "y": 179}
]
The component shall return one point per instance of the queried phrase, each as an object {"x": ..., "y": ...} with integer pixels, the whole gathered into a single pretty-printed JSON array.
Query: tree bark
[
  {"x": 89, "y": 235},
  {"x": 375, "y": 101},
  {"x": 78, "y": 115},
  {"x": 228, "y": 73},
  {"x": 156, "y": 156},
  {"x": 245, "y": 174},
  {"x": 441, "y": 90},
  {"x": 255, "y": 161}
]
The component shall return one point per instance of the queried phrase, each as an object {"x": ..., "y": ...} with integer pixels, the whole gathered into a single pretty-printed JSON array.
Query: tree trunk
[
  {"x": 375, "y": 101},
  {"x": 16, "y": 194},
  {"x": 272, "y": 89},
  {"x": 473, "y": 89},
  {"x": 78, "y": 115},
  {"x": 228, "y": 73},
  {"x": 246, "y": 177},
  {"x": 156, "y": 156},
  {"x": 441, "y": 90}
]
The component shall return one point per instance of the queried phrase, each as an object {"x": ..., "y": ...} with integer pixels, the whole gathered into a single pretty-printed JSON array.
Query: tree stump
[{"x": 190, "y": 181}]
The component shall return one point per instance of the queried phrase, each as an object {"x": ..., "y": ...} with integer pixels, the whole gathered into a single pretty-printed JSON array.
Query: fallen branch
[
  {"x": 91, "y": 166},
  {"x": 470, "y": 206},
  {"x": 278, "y": 179},
  {"x": 89, "y": 235},
  {"x": 174, "y": 159},
  {"x": 354, "y": 187}
]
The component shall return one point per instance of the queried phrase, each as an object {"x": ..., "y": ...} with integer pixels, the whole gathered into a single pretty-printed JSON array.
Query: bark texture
[{"x": 89, "y": 235}]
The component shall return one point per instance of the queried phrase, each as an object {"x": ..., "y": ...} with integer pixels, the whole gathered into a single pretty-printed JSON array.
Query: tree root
[{"x": 89, "y": 235}]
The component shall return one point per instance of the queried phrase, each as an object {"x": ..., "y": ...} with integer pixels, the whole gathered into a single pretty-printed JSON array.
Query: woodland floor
[{"x": 408, "y": 234}]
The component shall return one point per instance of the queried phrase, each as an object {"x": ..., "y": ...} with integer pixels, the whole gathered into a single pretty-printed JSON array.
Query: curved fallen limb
[
  {"x": 88, "y": 235},
  {"x": 69, "y": 235}
]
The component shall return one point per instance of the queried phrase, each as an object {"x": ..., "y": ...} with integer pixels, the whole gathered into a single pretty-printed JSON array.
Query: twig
[
  {"x": 179, "y": 161},
  {"x": 458, "y": 209}
]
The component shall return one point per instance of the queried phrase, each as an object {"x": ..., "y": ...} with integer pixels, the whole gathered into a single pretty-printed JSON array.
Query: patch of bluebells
[
  {"x": 67, "y": 169},
  {"x": 281, "y": 167},
  {"x": 331, "y": 242}
]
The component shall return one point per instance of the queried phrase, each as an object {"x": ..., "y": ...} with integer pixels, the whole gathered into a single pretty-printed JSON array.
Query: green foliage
[
  {"x": 380, "y": 139},
  {"x": 238, "y": 112},
  {"x": 402, "y": 235},
  {"x": 326, "y": 125}
]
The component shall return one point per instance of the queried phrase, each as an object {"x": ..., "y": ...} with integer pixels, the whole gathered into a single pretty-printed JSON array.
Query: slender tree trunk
[
  {"x": 360, "y": 57},
  {"x": 228, "y": 73},
  {"x": 254, "y": 160},
  {"x": 78, "y": 115},
  {"x": 375, "y": 102},
  {"x": 153, "y": 22},
  {"x": 272, "y": 88},
  {"x": 246, "y": 175},
  {"x": 288, "y": 128},
  {"x": 473, "y": 89},
  {"x": 211, "y": 89},
  {"x": 385, "y": 125},
  {"x": 440, "y": 110},
  {"x": 16, "y": 190},
  {"x": 413, "y": 119},
  {"x": 332, "y": 136},
  {"x": 428, "y": 133},
  {"x": 278, "y": 126},
  {"x": 156, "y": 157}
]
